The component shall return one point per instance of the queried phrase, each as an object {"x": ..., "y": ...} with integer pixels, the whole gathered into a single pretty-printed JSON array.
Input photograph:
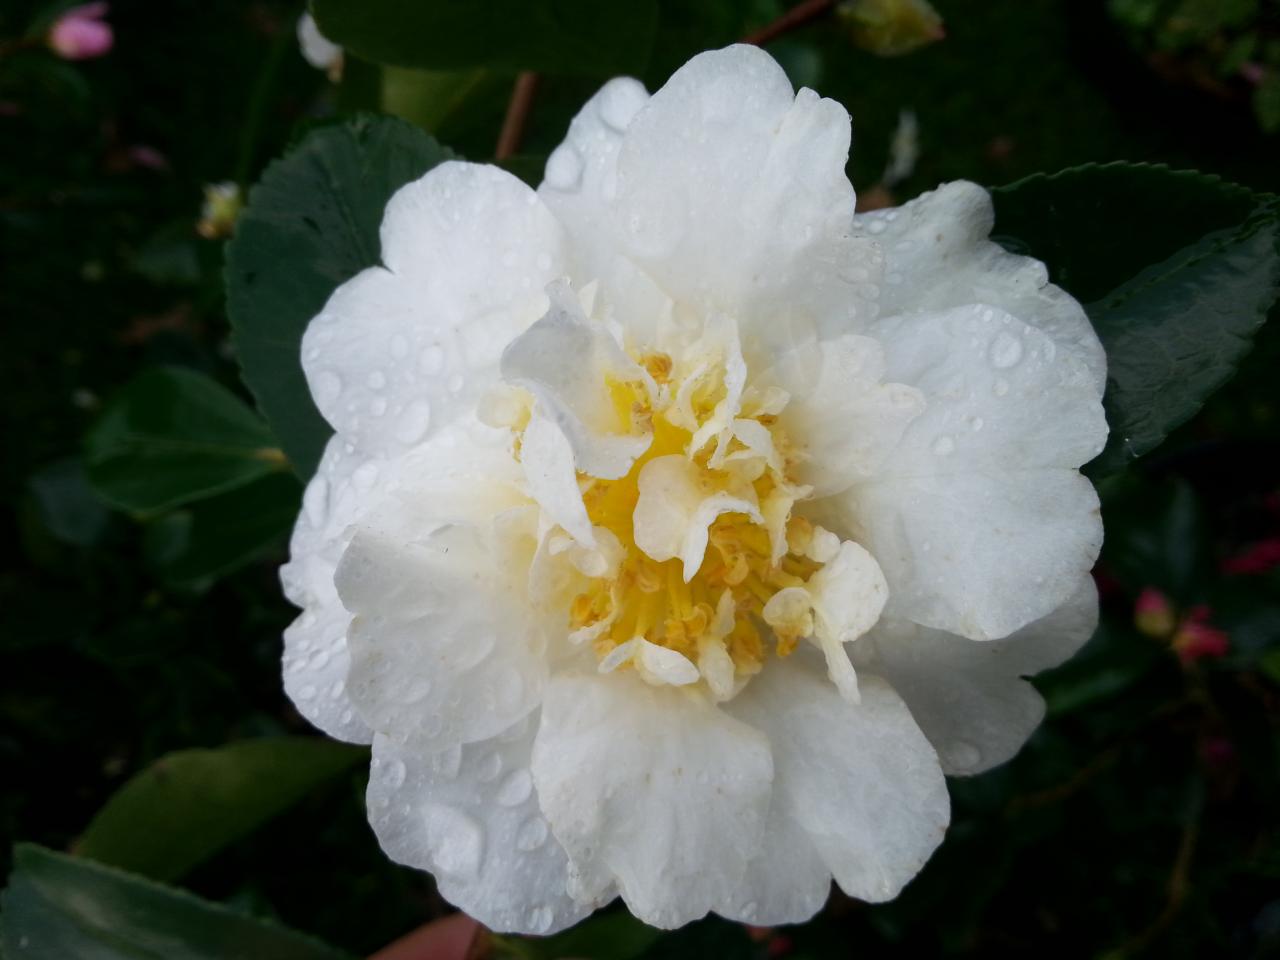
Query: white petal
[
  {"x": 566, "y": 362},
  {"x": 580, "y": 185},
  {"x": 942, "y": 236},
  {"x": 315, "y": 644},
  {"x": 976, "y": 555},
  {"x": 861, "y": 780},
  {"x": 444, "y": 648},
  {"x": 848, "y": 594},
  {"x": 674, "y": 512},
  {"x": 399, "y": 351},
  {"x": 547, "y": 458},
  {"x": 470, "y": 816},
  {"x": 979, "y": 519},
  {"x": 849, "y": 420},
  {"x": 969, "y": 697},
  {"x": 653, "y": 787},
  {"x": 317, "y": 49},
  {"x": 788, "y": 882},
  {"x": 999, "y": 396},
  {"x": 732, "y": 195}
]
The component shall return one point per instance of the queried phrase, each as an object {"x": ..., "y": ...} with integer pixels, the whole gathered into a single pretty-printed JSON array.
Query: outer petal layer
[
  {"x": 470, "y": 815},
  {"x": 979, "y": 518},
  {"x": 443, "y": 648},
  {"x": 400, "y": 350},
  {"x": 653, "y": 788},
  {"x": 860, "y": 779},
  {"x": 969, "y": 697},
  {"x": 938, "y": 255},
  {"x": 315, "y": 644}
]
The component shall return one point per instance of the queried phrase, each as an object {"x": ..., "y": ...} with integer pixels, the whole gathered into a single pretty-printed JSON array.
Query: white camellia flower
[{"x": 682, "y": 529}]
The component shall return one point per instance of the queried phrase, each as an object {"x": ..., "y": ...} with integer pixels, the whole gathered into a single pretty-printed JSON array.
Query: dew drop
[
  {"x": 366, "y": 476},
  {"x": 315, "y": 501},
  {"x": 377, "y": 380},
  {"x": 515, "y": 789},
  {"x": 489, "y": 768},
  {"x": 1006, "y": 350},
  {"x": 337, "y": 690},
  {"x": 447, "y": 762},
  {"x": 456, "y": 840},
  {"x": 944, "y": 446},
  {"x": 540, "y": 919},
  {"x": 876, "y": 225},
  {"x": 378, "y": 407},
  {"x": 432, "y": 360},
  {"x": 328, "y": 386},
  {"x": 1001, "y": 387},
  {"x": 564, "y": 168},
  {"x": 306, "y": 692},
  {"x": 413, "y": 422},
  {"x": 619, "y": 102},
  {"x": 532, "y": 835},
  {"x": 394, "y": 774},
  {"x": 455, "y": 383},
  {"x": 962, "y": 755},
  {"x": 977, "y": 424}
]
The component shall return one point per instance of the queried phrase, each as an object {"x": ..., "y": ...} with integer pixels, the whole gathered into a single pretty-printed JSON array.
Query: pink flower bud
[
  {"x": 1152, "y": 613},
  {"x": 81, "y": 33},
  {"x": 1198, "y": 641}
]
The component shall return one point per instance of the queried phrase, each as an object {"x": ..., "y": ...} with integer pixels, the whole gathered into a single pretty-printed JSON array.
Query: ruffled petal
[
  {"x": 654, "y": 788},
  {"x": 315, "y": 644},
  {"x": 470, "y": 815},
  {"x": 969, "y": 697},
  {"x": 731, "y": 194},
  {"x": 943, "y": 235},
  {"x": 398, "y": 351},
  {"x": 568, "y": 364},
  {"x": 444, "y": 649},
  {"x": 860, "y": 779},
  {"x": 979, "y": 518},
  {"x": 580, "y": 186},
  {"x": 846, "y": 421}
]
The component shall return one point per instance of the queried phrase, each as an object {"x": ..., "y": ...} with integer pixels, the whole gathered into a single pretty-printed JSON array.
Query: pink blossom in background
[
  {"x": 81, "y": 33},
  {"x": 1153, "y": 614},
  {"x": 1258, "y": 558}
]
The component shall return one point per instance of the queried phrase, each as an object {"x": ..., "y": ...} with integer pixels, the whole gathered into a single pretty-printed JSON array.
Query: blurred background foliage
[{"x": 141, "y": 619}]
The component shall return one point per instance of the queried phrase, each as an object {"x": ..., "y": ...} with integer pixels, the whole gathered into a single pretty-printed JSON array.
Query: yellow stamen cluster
[{"x": 651, "y": 599}]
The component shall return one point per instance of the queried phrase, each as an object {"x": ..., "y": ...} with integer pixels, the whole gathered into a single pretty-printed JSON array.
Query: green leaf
[
  {"x": 63, "y": 907},
  {"x": 188, "y": 805},
  {"x": 579, "y": 37},
  {"x": 220, "y": 534},
  {"x": 1177, "y": 269},
  {"x": 172, "y": 436},
  {"x": 311, "y": 224}
]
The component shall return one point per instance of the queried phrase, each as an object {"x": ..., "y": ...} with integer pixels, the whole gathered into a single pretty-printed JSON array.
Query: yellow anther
[{"x": 658, "y": 365}]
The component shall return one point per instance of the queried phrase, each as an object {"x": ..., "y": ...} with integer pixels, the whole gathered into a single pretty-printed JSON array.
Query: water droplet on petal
[
  {"x": 377, "y": 380},
  {"x": 328, "y": 386},
  {"x": 962, "y": 755},
  {"x": 447, "y": 762},
  {"x": 432, "y": 360},
  {"x": 619, "y": 102},
  {"x": 540, "y": 919},
  {"x": 456, "y": 840},
  {"x": 1006, "y": 350},
  {"x": 394, "y": 773},
  {"x": 366, "y": 476},
  {"x": 1001, "y": 387},
  {"x": 515, "y": 789},
  {"x": 413, "y": 422},
  {"x": 944, "y": 446},
  {"x": 532, "y": 835},
  {"x": 315, "y": 501},
  {"x": 977, "y": 424},
  {"x": 489, "y": 768}
]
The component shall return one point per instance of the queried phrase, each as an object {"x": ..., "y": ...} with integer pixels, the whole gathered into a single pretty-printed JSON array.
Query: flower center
[{"x": 708, "y": 541}]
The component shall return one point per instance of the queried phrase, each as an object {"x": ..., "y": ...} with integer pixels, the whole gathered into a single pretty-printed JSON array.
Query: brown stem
[
  {"x": 797, "y": 16},
  {"x": 517, "y": 115}
]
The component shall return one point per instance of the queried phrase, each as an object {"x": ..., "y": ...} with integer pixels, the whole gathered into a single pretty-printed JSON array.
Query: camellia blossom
[
  {"x": 682, "y": 529},
  {"x": 82, "y": 33}
]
